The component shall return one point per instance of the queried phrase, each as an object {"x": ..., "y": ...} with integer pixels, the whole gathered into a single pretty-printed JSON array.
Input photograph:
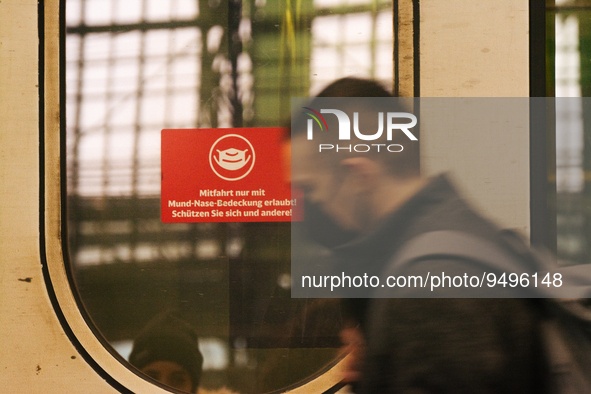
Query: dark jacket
[{"x": 442, "y": 345}]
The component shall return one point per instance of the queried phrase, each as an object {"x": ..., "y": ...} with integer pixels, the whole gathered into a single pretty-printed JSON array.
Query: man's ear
[{"x": 365, "y": 172}]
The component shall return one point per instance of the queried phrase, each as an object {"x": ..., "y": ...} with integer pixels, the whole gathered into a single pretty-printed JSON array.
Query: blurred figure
[
  {"x": 167, "y": 350},
  {"x": 379, "y": 201}
]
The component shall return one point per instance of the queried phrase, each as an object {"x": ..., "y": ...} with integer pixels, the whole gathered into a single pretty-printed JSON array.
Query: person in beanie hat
[{"x": 167, "y": 351}]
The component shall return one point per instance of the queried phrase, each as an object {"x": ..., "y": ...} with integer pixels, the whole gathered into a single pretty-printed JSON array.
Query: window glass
[
  {"x": 570, "y": 39},
  {"x": 136, "y": 67}
]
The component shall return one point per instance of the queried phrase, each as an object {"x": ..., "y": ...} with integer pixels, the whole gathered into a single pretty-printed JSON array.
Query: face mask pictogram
[{"x": 231, "y": 157}]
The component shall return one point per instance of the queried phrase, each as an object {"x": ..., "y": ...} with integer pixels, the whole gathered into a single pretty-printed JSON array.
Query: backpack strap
[{"x": 448, "y": 243}]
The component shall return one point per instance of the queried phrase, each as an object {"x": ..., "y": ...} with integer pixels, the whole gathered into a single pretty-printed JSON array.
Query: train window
[
  {"x": 137, "y": 67},
  {"x": 569, "y": 78}
]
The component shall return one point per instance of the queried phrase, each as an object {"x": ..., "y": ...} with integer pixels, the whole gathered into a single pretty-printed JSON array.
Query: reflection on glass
[
  {"x": 136, "y": 67},
  {"x": 571, "y": 125},
  {"x": 167, "y": 350}
]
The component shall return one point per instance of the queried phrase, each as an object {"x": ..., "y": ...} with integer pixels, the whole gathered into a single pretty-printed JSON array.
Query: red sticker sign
[{"x": 226, "y": 175}]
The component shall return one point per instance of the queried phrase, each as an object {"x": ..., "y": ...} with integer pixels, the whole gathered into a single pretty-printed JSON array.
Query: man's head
[
  {"x": 353, "y": 180},
  {"x": 167, "y": 351}
]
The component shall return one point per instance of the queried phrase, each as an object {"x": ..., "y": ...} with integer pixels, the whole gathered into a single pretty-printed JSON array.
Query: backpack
[{"x": 566, "y": 325}]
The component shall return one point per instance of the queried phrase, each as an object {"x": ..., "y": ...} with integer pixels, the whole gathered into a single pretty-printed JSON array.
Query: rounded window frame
[{"x": 59, "y": 281}]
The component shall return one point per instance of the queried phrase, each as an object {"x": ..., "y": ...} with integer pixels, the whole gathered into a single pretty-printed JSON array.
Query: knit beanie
[{"x": 168, "y": 338}]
